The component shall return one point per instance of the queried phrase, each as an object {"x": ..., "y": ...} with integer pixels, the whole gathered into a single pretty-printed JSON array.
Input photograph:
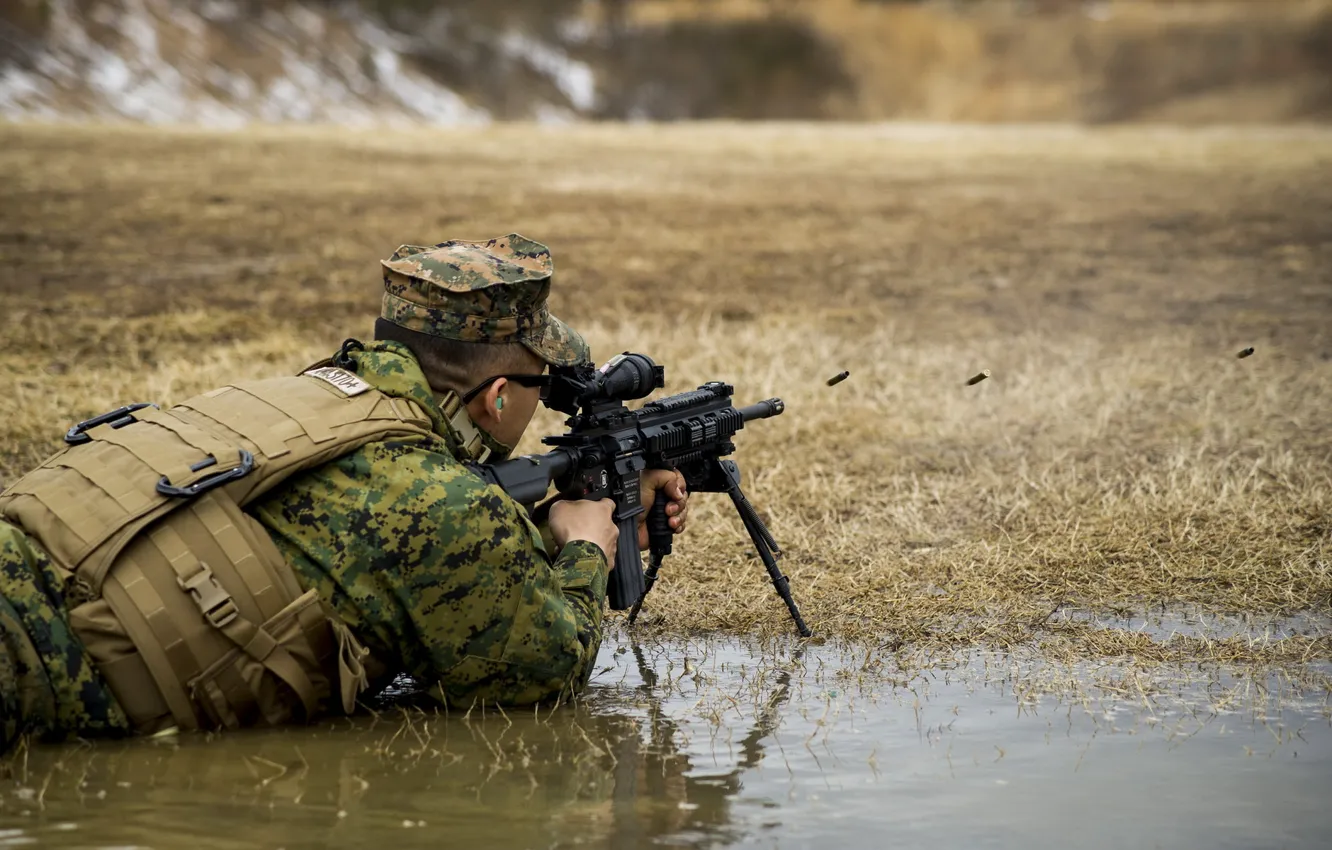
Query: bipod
[{"x": 723, "y": 476}]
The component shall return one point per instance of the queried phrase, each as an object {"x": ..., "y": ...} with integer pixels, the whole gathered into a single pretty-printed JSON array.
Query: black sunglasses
[{"x": 540, "y": 381}]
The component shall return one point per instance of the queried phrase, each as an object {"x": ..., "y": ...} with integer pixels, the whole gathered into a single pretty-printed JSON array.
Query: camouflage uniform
[
  {"x": 48, "y": 685},
  {"x": 440, "y": 574}
]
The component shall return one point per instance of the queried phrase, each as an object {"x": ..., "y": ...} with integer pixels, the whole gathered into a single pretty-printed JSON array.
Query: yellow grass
[
  {"x": 1120, "y": 459},
  {"x": 1055, "y": 60}
]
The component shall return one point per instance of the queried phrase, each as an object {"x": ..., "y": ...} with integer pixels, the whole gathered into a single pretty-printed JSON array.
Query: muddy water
[{"x": 719, "y": 742}]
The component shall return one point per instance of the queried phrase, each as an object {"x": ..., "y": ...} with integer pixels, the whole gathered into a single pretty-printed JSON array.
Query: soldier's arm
[
  {"x": 441, "y": 574},
  {"x": 498, "y": 619}
]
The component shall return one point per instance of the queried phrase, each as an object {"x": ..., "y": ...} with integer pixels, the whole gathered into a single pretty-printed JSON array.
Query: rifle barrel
[{"x": 762, "y": 409}]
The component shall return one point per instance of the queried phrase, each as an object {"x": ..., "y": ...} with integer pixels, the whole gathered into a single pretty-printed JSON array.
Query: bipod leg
[
  {"x": 750, "y": 516},
  {"x": 649, "y": 579},
  {"x": 763, "y": 543}
]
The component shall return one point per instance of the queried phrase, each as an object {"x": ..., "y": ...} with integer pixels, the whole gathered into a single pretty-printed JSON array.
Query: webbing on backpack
[{"x": 192, "y": 615}]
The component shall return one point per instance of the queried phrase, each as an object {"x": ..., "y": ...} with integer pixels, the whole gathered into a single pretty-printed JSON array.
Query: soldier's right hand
[{"x": 586, "y": 519}]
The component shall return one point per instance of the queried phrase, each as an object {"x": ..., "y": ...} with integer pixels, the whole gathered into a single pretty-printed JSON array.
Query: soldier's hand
[
  {"x": 586, "y": 519},
  {"x": 677, "y": 509}
]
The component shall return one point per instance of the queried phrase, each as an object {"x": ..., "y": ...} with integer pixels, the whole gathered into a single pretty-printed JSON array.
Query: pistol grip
[{"x": 659, "y": 527}]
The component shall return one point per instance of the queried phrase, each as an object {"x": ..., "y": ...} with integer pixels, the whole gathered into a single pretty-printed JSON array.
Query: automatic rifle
[{"x": 608, "y": 446}]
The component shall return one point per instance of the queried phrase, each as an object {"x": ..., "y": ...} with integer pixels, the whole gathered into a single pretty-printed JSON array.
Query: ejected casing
[
  {"x": 838, "y": 378},
  {"x": 1245, "y": 353},
  {"x": 976, "y": 379}
]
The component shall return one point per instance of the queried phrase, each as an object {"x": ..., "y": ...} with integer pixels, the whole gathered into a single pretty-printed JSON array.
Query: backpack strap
[{"x": 192, "y": 618}]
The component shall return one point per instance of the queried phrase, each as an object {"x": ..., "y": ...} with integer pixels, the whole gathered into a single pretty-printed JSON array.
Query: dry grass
[
  {"x": 1120, "y": 459},
  {"x": 1214, "y": 61}
]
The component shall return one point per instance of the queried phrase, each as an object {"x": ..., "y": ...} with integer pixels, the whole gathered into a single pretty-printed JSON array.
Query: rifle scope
[{"x": 623, "y": 377}]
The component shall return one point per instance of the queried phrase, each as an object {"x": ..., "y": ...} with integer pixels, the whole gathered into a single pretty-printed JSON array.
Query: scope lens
[{"x": 629, "y": 375}]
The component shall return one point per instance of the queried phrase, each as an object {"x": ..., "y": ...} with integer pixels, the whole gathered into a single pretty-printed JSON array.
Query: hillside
[{"x": 231, "y": 62}]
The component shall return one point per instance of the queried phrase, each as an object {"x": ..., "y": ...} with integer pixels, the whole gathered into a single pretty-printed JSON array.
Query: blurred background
[{"x": 227, "y": 63}]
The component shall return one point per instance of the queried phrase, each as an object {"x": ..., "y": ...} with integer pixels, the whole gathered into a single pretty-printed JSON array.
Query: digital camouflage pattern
[
  {"x": 492, "y": 291},
  {"x": 440, "y": 574},
  {"x": 49, "y": 686}
]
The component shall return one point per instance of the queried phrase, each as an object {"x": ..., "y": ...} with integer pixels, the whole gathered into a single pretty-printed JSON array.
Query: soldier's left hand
[{"x": 677, "y": 509}]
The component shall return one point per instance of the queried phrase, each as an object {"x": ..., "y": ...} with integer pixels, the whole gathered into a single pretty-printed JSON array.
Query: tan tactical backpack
[{"x": 180, "y": 597}]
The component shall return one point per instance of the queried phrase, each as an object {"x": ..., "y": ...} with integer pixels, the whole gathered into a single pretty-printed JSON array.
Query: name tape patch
[{"x": 345, "y": 382}]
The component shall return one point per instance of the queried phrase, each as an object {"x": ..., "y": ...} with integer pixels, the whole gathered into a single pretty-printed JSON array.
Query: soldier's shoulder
[
  {"x": 416, "y": 482},
  {"x": 409, "y": 457},
  {"x": 413, "y": 469}
]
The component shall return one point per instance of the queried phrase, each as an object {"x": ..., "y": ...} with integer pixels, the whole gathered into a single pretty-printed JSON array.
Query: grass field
[{"x": 1119, "y": 460}]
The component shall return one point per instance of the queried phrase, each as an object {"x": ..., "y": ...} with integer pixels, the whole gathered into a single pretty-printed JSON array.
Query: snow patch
[
  {"x": 21, "y": 91},
  {"x": 575, "y": 80},
  {"x": 140, "y": 30},
  {"x": 219, "y": 10},
  {"x": 304, "y": 63},
  {"x": 433, "y": 104}
]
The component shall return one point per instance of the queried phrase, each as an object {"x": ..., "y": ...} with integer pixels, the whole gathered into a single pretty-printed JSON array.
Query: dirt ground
[{"x": 1120, "y": 459}]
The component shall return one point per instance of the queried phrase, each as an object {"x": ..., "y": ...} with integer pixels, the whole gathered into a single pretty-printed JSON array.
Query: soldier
[{"x": 270, "y": 551}]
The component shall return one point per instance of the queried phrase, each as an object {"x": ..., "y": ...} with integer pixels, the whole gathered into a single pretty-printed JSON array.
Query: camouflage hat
[{"x": 493, "y": 291}]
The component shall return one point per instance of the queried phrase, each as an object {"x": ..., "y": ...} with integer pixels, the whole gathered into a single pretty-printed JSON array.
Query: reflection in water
[
  {"x": 700, "y": 744},
  {"x": 608, "y": 772}
]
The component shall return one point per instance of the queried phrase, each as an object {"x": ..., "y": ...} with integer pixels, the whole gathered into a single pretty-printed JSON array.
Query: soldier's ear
[
  {"x": 494, "y": 399},
  {"x": 486, "y": 407}
]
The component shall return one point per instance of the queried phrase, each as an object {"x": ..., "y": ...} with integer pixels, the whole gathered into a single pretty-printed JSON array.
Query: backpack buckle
[
  {"x": 119, "y": 418},
  {"x": 212, "y": 598},
  {"x": 208, "y": 482}
]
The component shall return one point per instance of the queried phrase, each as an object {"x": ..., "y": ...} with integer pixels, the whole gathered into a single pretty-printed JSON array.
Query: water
[{"x": 686, "y": 744}]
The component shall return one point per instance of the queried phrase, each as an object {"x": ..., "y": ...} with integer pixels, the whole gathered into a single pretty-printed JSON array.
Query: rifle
[{"x": 608, "y": 446}]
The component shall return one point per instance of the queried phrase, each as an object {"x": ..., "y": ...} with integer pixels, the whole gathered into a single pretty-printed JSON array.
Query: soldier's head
[{"x": 474, "y": 314}]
